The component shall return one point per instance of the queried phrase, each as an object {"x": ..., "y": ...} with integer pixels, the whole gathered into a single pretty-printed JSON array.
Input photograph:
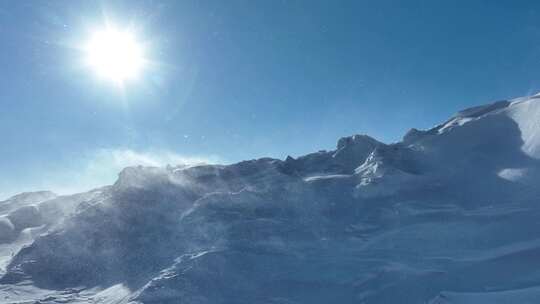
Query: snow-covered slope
[{"x": 447, "y": 215}]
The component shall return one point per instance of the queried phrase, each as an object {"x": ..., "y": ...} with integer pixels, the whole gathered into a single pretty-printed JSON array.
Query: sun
[{"x": 115, "y": 54}]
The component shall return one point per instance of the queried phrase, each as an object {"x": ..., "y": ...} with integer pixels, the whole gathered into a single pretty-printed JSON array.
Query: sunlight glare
[{"x": 115, "y": 55}]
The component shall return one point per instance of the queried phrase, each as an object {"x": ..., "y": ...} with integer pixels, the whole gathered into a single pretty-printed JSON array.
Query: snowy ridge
[{"x": 448, "y": 215}]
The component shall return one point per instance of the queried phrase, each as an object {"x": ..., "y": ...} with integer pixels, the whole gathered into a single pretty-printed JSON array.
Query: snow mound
[
  {"x": 24, "y": 217},
  {"x": 387, "y": 170},
  {"x": 26, "y": 198},
  {"x": 448, "y": 215}
]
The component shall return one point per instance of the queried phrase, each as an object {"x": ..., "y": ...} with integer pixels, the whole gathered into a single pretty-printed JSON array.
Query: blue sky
[{"x": 233, "y": 80}]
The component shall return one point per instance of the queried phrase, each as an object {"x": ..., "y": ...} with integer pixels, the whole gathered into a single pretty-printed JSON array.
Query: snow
[
  {"x": 448, "y": 215},
  {"x": 527, "y": 115},
  {"x": 513, "y": 174},
  {"x": 7, "y": 229},
  {"x": 521, "y": 296},
  {"x": 25, "y": 217},
  {"x": 319, "y": 177}
]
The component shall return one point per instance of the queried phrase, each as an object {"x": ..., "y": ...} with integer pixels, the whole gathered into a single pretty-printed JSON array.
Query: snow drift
[{"x": 447, "y": 215}]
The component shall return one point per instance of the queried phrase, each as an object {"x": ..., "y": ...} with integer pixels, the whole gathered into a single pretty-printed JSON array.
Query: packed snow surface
[{"x": 448, "y": 215}]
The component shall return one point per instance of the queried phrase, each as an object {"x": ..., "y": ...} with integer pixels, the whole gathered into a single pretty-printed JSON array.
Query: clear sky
[{"x": 232, "y": 80}]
